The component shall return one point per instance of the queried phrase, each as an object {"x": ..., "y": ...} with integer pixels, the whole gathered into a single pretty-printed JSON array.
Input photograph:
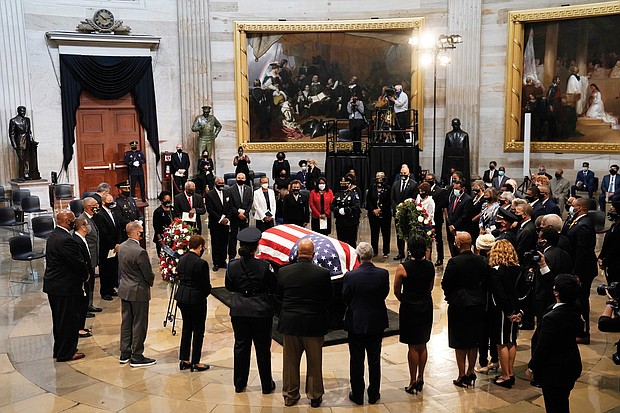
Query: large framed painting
[
  {"x": 292, "y": 75},
  {"x": 563, "y": 67}
]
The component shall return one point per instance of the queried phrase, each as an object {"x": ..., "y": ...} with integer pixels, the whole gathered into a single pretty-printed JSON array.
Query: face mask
[
  {"x": 404, "y": 177},
  {"x": 457, "y": 192},
  {"x": 71, "y": 224},
  {"x": 530, "y": 199},
  {"x": 95, "y": 210},
  {"x": 140, "y": 235},
  {"x": 541, "y": 172},
  {"x": 322, "y": 187},
  {"x": 189, "y": 192},
  {"x": 205, "y": 156},
  {"x": 423, "y": 194},
  {"x": 125, "y": 193},
  {"x": 179, "y": 150},
  {"x": 280, "y": 159},
  {"x": 296, "y": 191},
  {"x": 541, "y": 245},
  {"x": 613, "y": 172},
  {"x": 110, "y": 205},
  {"x": 571, "y": 211},
  {"x": 431, "y": 183},
  {"x": 133, "y": 148},
  {"x": 344, "y": 184},
  {"x": 379, "y": 184},
  {"x": 282, "y": 176},
  {"x": 501, "y": 173},
  {"x": 219, "y": 187},
  {"x": 167, "y": 204},
  {"x": 585, "y": 169},
  {"x": 264, "y": 185},
  {"x": 487, "y": 199},
  {"x": 613, "y": 217},
  {"x": 240, "y": 153},
  {"x": 240, "y": 182},
  {"x": 304, "y": 168},
  {"x": 491, "y": 167}
]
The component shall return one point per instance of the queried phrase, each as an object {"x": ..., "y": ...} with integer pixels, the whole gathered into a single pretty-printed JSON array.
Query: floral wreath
[
  {"x": 175, "y": 243},
  {"x": 412, "y": 220}
]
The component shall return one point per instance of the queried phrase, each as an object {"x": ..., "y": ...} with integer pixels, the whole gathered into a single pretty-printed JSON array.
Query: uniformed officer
[
  {"x": 251, "y": 282},
  {"x": 134, "y": 159},
  {"x": 127, "y": 208},
  {"x": 378, "y": 204},
  {"x": 346, "y": 208}
]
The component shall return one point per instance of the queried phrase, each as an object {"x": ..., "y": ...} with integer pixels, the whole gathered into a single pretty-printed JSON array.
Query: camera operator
[
  {"x": 401, "y": 109},
  {"x": 609, "y": 258},
  {"x": 609, "y": 322},
  {"x": 357, "y": 122}
]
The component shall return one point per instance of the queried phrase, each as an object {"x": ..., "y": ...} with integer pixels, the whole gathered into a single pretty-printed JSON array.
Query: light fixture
[
  {"x": 426, "y": 59},
  {"x": 443, "y": 58}
]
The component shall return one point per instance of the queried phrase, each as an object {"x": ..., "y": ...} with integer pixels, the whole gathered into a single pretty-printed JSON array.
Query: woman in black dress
[
  {"x": 206, "y": 173},
  {"x": 162, "y": 218},
  {"x": 413, "y": 284},
  {"x": 279, "y": 165},
  {"x": 505, "y": 270},
  {"x": 242, "y": 162}
]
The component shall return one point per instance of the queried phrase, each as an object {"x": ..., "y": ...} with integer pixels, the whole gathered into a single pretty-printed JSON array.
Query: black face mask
[
  {"x": 530, "y": 198},
  {"x": 140, "y": 234},
  {"x": 541, "y": 245},
  {"x": 344, "y": 184},
  {"x": 240, "y": 182},
  {"x": 423, "y": 194},
  {"x": 487, "y": 199},
  {"x": 95, "y": 210},
  {"x": 110, "y": 205},
  {"x": 283, "y": 176},
  {"x": 296, "y": 191},
  {"x": 167, "y": 204},
  {"x": 404, "y": 177},
  {"x": 71, "y": 224},
  {"x": 179, "y": 150},
  {"x": 491, "y": 167},
  {"x": 613, "y": 172},
  {"x": 133, "y": 148},
  {"x": 189, "y": 192},
  {"x": 219, "y": 187},
  {"x": 125, "y": 193},
  {"x": 202, "y": 251},
  {"x": 205, "y": 156},
  {"x": 558, "y": 176},
  {"x": 613, "y": 217}
]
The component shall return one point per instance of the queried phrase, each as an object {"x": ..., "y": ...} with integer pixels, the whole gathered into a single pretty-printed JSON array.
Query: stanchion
[{"x": 171, "y": 312}]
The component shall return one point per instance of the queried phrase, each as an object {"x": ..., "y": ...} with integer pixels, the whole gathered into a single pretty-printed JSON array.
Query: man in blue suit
[
  {"x": 364, "y": 291},
  {"x": 584, "y": 181},
  {"x": 609, "y": 185}
]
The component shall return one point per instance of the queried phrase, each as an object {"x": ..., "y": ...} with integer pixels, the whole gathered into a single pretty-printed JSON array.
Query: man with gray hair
[
  {"x": 364, "y": 291},
  {"x": 554, "y": 221},
  {"x": 102, "y": 190},
  {"x": 400, "y": 101}
]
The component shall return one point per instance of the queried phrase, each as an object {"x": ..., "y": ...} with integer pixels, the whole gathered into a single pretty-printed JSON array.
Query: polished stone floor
[{"x": 30, "y": 380}]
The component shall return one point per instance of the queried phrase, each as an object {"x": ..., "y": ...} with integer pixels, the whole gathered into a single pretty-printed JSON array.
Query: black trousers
[
  {"x": 180, "y": 182},
  {"x": 402, "y": 120},
  {"x": 263, "y": 226},
  {"x": 219, "y": 243},
  {"x": 83, "y": 309},
  {"x": 556, "y": 399},
  {"x": 383, "y": 225},
  {"x": 65, "y": 324},
  {"x": 361, "y": 345},
  {"x": 573, "y": 191},
  {"x": 90, "y": 288},
  {"x": 602, "y": 201},
  {"x": 450, "y": 237},
  {"x": 250, "y": 330},
  {"x": 132, "y": 182},
  {"x": 235, "y": 227},
  {"x": 108, "y": 275},
  {"x": 400, "y": 243},
  {"x": 347, "y": 234},
  {"x": 488, "y": 343},
  {"x": 439, "y": 239},
  {"x": 356, "y": 126},
  {"x": 192, "y": 335},
  {"x": 584, "y": 300}
]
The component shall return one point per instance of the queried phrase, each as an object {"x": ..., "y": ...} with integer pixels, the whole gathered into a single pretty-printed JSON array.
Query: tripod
[
  {"x": 385, "y": 119},
  {"x": 526, "y": 184}
]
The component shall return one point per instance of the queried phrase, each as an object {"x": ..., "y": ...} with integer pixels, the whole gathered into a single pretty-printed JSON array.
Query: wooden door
[{"x": 104, "y": 129}]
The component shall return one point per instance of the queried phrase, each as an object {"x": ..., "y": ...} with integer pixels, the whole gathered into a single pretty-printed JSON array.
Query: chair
[
  {"x": 7, "y": 219},
  {"x": 231, "y": 181},
  {"x": 229, "y": 175},
  {"x": 88, "y": 194},
  {"x": 63, "y": 192},
  {"x": 256, "y": 182},
  {"x": 305, "y": 193},
  {"x": 43, "y": 226},
  {"x": 77, "y": 207},
  {"x": 259, "y": 174},
  {"x": 2, "y": 195},
  {"x": 17, "y": 195},
  {"x": 31, "y": 205},
  {"x": 21, "y": 250}
]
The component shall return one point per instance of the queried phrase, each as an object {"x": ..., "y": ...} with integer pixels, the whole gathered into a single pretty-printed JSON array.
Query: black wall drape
[
  {"x": 106, "y": 77},
  {"x": 389, "y": 158}
]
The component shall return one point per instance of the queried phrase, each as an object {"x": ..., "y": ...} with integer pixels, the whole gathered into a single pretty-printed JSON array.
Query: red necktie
[
  {"x": 456, "y": 201},
  {"x": 189, "y": 199}
]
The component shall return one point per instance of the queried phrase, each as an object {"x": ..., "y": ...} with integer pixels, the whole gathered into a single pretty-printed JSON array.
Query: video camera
[
  {"x": 614, "y": 292},
  {"x": 532, "y": 255},
  {"x": 390, "y": 91}
]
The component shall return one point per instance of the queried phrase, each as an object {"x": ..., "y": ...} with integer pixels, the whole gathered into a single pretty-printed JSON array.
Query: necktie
[
  {"x": 402, "y": 187},
  {"x": 612, "y": 184},
  {"x": 189, "y": 200},
  {"x": 456, "y": 201}
]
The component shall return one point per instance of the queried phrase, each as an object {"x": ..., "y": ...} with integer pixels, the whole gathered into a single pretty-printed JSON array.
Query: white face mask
[
  {"x": 304, "y": 168},
  {"x": 322, "y": 187},
  {"x": 264, "y": 185},
  {"x": 457, "y": 192}
]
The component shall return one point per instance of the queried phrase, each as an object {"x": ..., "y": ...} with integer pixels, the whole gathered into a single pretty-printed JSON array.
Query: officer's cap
[
  {"x": 380, "y": 175},
  {"x": 206, "y": 107},
  {"x": 249, "y": 235},
  {"x": 122, "y": 184},
  {"x": 133, "y": 143},
  {"x": 507, "y": 215}
]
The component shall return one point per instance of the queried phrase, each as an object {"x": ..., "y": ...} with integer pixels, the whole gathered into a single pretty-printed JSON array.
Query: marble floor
[{"x": 30, "y": 380}]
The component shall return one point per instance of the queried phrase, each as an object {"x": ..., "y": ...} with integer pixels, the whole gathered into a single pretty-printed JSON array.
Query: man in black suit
[
  {"x": 179, "y": 167},
  {"x": 379, "y": 206},
  {"x": 526, "y": 232},
  {"x": 489, "y": 174},
  {"x": 126, "y": 208},
  {"x": 555, "y": 222},
  {"x": 242, "y": 198},
  {"x": 555, "y": 362},
  {"x": 549, "y": 205},
  {"x": 218, "y": 205},
  {"x": 609, "y": 258},
  {"x": 582, "y": 237},
  {"x": 364, "y": 291},
  {"x": 65, "y": 273},
  {"x": 459, "y": 219},
  {"x": 102, "y": 189},
  {"x": 295, "y": 206},
  {"x": 440, "y": 196},
  {"x": 532, "y": 196},
  {"x": 405, "y": 188},
  {"x": 108, "y": 222},
  {"x": 80, "y": 231},
  {"x": 188, "y": 201},
  {"x": 305, "y": 291},
  {"x": 500, "y": 179},
  {"x": 92, "y": 237}
]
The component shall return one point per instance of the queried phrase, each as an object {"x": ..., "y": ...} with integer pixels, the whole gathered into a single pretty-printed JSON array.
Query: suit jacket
[
  {"x": 582, "y": 238},
  {"x": 305, "y": 291},
  {"x": 312, "y": 178},
  {"x": 86, "y": 255},
  {"x": 560, "y": 187},
  {"x": 526, "y": 239},
  {"x": 460, "y": 216},
  {"x": 295, "y": 211},
  {"x": 498, "y": 181},
  {"x": 502, "y": 286},
  {"x": 194, "y": 280},
  {"x": 488, "y": 175},
  {"x": 587, "y": 178},
  {"x": 538, "y": 209},
  {"x": 555, "y": 357},
  {"x": 440, "y": 196},
  {"x": 463, "y": 280},
  {"x": 559, "y": 262},
  {"x": 216, "y": 209},
  {"x": 65, "y": 268},
  {"x": 109, "y": 232},
  {"x": 181, "y": 204},
  {"x": 381, "y": 201},
  {"x": 259, "y": 204},
  {"x": 550, "y": 207},
  {"x": 176, "y": 163},
  {"x": 137, "y": 276},
  {"x": 398, "y": 196},
  {"x": 607, "y": 180},
  {"x": 93, "y": 239},
  {"x": 610, "y": 250},
  {"x": 364, "y": 291},
  {"x": 237, "y": 203}
]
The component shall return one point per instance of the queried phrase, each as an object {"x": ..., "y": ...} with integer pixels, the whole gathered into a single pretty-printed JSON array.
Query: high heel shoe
[
  {"x": 470, "y": 380},
  {"x": 504, "y": 383},
  {"x": 184, "y": 365},
  {"x": 411, "y": 389},
  {"x": 461, "y": 382},
  {"x": 198, "y": 367},
  {"x": 419, "y": 385}
]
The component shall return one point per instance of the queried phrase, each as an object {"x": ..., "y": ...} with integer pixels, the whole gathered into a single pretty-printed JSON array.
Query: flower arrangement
[
  {"x": 175, "y": 243},
  {"x": 412, "y": 220}
]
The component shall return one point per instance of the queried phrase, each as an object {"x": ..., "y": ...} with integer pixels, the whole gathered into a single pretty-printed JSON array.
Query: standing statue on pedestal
[
  {"x": 208, "y": 127},
  {"x": 20, "y": 134},
  {"x": 456, "y": 153}
]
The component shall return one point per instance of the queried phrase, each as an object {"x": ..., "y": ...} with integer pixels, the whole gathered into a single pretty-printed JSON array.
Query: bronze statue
[
  {"x": 208, "y": 127},
  {"x": 456, "y": 152},
  {"x": 20, "y": 134}
]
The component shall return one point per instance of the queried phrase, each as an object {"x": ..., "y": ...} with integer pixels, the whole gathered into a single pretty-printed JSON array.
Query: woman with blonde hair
[{"x": 505, "y": 270}]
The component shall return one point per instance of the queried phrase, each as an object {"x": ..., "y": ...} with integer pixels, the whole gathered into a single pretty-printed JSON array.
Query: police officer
[
  {"x": 251, "y": 282},
  {"x": 127, "y": 208},
  {"x": 134, "y": 159},
  {"x": 378, "y": 204},
  {"x": 347, "y": 210}
]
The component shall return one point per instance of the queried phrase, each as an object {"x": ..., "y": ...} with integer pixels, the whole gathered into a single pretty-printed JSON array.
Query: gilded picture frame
[
  {"x": 521, "y": 25},
  {"x": 243, "y": 30}
]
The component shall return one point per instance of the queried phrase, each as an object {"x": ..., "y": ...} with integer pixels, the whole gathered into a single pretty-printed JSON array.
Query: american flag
[{"x": 279, "y": 245}]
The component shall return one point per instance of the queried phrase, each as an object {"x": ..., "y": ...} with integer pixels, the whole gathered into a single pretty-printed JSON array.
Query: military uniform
[
  {"x": 128, "y": 211},
  {"x": 136, "y": 173},
  {"x": 346, "y": 208}
]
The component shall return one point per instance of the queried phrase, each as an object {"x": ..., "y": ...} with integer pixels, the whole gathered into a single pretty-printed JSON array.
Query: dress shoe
[
  {"x": 385, "y": 256},
  {"x": 94, "y": 309},
  {"x": 357, "y": 400},
  {"x": 374, "y": 400},
  {"x": 316, "y": 402},
  {"x": 239, "y": 389},
  {"x": 106, "y": 297},
  {"x": 271, "y": 390},
  {"x": 89, "y": 315},
  {"x": 398, "y": 257},
  {"x": 215, "y": 267},
  {"x": 183, "y": 365},
  {"x": 438, "y": 263},
  {"x": 85, "y": 334},
  {"x": 290, "y": 402},
  {"x": 76, "y": 356},
  {"x": 583, "y": 340},
  {"x": 199, "y": 367},
  {"x": 535, "y": 383},
  {"x": 114, "y": 294},
  {"x": 143, "y": 362}
]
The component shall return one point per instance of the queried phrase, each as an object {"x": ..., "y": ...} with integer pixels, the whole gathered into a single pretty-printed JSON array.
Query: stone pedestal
[{"x": 38, "y": 187}]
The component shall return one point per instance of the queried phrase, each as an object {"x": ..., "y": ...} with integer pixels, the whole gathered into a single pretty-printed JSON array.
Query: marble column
[
  {"x": 195, "y": 67},
  {"x": 463, "y": 74},
  {"x": 14, "y": 80}
]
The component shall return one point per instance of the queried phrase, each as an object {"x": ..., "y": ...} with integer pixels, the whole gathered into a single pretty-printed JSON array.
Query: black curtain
[
  {"x": 336, "y": 167},
  {"x": 106, "y": 77},
  {"x": 389, "y": 158}
]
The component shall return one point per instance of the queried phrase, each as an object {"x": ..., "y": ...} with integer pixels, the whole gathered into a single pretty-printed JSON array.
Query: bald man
[
  {"x": 65, "y": 273},
  {"x": 305, "y": 291}
]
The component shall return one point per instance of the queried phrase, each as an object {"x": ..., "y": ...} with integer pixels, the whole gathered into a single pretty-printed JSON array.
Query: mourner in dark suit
[
  {"x": 526, "y": 232},
  {"x": 459, "y": 219},
  {"x": 108, "y": 222},
  {"x": 134, "y": 159},
  {"x": 582, "y": 237},
  {"x": 346, "y": 209},
  {"x": 295, "y": 206},
  {"x": 532, "y": 196},
  {"x": 489, "y": 174},
  {"x": 218, "y": 205},
  {"x": 190, "y": 202},
  {"x": 555, "y": 362},
  {"x": 102, "y": 189},
  {"x": 379, "y": 206},
  {"x": 364, "y": 291},
  {"x": 134, "y": 290},
  {"x": 609, "y": 257},
  {"x": 162, "y": 218},
  {"x": 242, "y": 198},
  {"x": 65, "y": 273},
  {"x": 179, "y": 167},
  {"x": 305, "y": 291},
  {"x": 440, "y": 196},
  {"x": 126, "y": 207},
  {"x": 252, "y": 283},
  {"x": 405, "y": 188},
  {"x": 92, "y": 237},
  {"x": 584, "y": 181},
  {"x": 80, "y": 231},
  {"x": 191, "y": 296},
  {"x": 549, "y": 205},
  {"x": 609, "y": 185}
]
